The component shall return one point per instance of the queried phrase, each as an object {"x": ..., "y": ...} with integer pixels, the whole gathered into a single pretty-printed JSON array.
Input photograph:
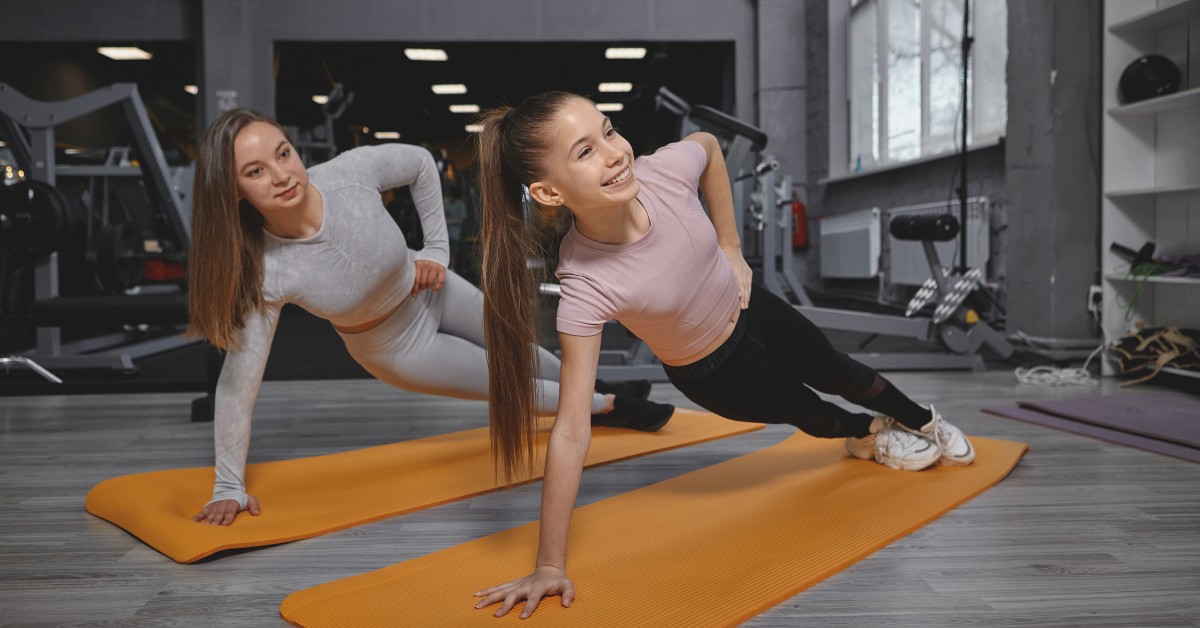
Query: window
[{"x": 905, "y": 83}]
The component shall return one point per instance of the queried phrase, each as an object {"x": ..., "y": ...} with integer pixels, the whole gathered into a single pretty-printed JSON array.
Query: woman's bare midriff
[
  {"x": 368, "y": 326},
  {"x": 712, "y": 346}
]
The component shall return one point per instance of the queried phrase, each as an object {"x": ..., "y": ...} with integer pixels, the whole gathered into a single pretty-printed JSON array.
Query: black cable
[{"x": 967, "y": 40}]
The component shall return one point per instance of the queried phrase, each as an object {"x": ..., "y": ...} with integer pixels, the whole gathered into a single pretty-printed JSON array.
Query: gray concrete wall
[
  {"x": 928, "y": 182},
  {"x": 1053, "y": 164},
  {"x": 115, "y": 21},
  {"x": 236, "y": 60},
  {"x": 237, "y": 36},
  {"x": 782, "y": 75},
  {"x": 517, "y": 20},
  {"x": 817, "y": 96}
]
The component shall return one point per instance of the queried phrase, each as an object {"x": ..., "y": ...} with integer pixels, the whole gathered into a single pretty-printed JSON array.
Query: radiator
[
  {"x": 906, "y": 264},
  {"x": 850, "y": 244}
]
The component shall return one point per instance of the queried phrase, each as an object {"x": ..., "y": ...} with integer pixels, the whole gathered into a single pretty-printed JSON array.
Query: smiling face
[
  {"x": 270, "y": 176},
  {"x": 588, "y": 164}
]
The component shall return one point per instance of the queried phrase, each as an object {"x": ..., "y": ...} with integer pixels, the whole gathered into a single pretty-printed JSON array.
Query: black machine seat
[
  {"x": 155, "y": 309},
  {"x": 936, "y": 228}
]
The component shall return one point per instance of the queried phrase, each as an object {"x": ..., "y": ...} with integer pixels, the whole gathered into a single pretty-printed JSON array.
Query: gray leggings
[{"x": 433, "y": 344}]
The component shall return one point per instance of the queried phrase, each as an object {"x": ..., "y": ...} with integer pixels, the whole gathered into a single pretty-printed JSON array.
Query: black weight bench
[{"x": 154, "y": 309}]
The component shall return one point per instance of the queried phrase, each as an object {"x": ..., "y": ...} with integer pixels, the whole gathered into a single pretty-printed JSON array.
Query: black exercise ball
[{"x": 1148, "y": 77}]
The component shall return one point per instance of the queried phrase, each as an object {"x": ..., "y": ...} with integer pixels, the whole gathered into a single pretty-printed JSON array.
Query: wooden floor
[{"x": 1083, "y": 533}]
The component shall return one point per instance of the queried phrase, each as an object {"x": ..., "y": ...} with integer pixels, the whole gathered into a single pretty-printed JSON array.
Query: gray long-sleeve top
[{"x": 356, "y": 269}]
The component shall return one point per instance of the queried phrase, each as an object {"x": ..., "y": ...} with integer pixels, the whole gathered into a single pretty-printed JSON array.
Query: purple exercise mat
[
  {"x": 1086, "y": 429},
  {"x": 1163, "y": 417}
]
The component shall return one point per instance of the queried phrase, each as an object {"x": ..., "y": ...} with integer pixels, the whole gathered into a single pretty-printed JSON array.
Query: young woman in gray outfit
[{"x": 266, "y": 231}]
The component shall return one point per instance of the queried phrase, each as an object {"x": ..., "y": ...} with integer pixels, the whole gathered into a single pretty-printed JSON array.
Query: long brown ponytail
[
  {"x": 225, "y": 263},
  {"x": 511, "y": 148}
]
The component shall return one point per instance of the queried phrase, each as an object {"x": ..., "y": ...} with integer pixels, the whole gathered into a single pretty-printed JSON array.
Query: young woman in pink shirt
[{"x": 643, "y": 251}]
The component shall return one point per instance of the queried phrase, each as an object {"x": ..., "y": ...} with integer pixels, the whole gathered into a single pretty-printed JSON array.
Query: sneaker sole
[
  {"x": 909, "y": 464},
  {"x": 659, "y": 425},
  {"x": 653, "y": 427},
  {"x": 961, "y": 461}
]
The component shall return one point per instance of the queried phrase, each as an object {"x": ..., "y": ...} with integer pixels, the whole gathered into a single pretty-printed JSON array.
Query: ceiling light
[
  {"x": 124, "y": 53},
  {"x": 450, "y": 88},
  {"x": 625, "y": 53},
  {"x": 464, "y": 108},
  {"x": 387, "y": 135},
  {"x": 616, "y": 87},
  {"x": 191, "y": 89},
  {"x": 320, "y": 99},
  {"x": 610, "y": 106},
  {"x": 474, "y": 128},
  {"x": 3, "y": 143},
  {"x": 425, "y": 54},
  {"x": 73, "y": 151},
  {"x": 366, "y": 130}
]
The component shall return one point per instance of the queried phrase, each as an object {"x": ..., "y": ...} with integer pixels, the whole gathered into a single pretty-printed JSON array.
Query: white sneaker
[
  {"x": 956, "y": 449},
  {"x": 894, "y": 447}
]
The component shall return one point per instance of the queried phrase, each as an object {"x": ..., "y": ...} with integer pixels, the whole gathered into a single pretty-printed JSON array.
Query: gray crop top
[{"x": 355, "y": 269}]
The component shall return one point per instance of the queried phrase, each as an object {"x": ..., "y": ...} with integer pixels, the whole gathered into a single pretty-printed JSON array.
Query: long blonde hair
[
  {"x": 511, "y": 148},
  {"x": 225, "y": 261}
]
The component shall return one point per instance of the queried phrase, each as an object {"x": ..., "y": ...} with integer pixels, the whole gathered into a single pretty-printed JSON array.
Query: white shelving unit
[
  {"x": 1185, "y": 281},
  {"x": 1173, "y": 102},
  {"x": 1151, "y": 154}
]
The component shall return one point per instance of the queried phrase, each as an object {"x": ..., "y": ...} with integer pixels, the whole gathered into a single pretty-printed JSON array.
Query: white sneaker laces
[{"x": 886, "y": 434}]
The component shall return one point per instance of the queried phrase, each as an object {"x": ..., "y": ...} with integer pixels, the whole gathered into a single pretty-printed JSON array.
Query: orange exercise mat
[
  {"x": 714, "y": 547},
  {"x": 308, "y": 497}
]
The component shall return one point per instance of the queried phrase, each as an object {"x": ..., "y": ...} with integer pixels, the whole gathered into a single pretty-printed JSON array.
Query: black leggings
[{"x": 762, "y": 373}]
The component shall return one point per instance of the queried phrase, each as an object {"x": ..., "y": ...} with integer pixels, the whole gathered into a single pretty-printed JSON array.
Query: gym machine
[
  {"x": 618, "y": 365},
  {"x": 953, "y": 328},
  {"x": 318, "y": 144},
  {"x": 41, "y": 224},
  {"x": 738, "y": 142}
]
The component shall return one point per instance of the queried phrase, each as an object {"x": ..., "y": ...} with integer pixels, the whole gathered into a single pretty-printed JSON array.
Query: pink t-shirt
[{"x": 673, "y": 288}]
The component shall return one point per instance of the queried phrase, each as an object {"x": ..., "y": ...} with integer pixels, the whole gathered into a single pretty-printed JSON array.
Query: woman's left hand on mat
[
  {"x": 222, "y": 513},
  {"x": 741, "y": 273},
  {"x": 532, "y": 588},
  {"x": 429, "y": 275}
]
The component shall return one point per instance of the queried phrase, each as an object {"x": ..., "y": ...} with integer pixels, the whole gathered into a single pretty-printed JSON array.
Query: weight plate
[
  {"x": 34, "y": 219},
  {"x": 120, "y": 257}
]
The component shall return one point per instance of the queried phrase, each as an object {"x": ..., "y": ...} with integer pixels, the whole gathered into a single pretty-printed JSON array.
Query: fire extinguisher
[{"x": 800, "y": 225}]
